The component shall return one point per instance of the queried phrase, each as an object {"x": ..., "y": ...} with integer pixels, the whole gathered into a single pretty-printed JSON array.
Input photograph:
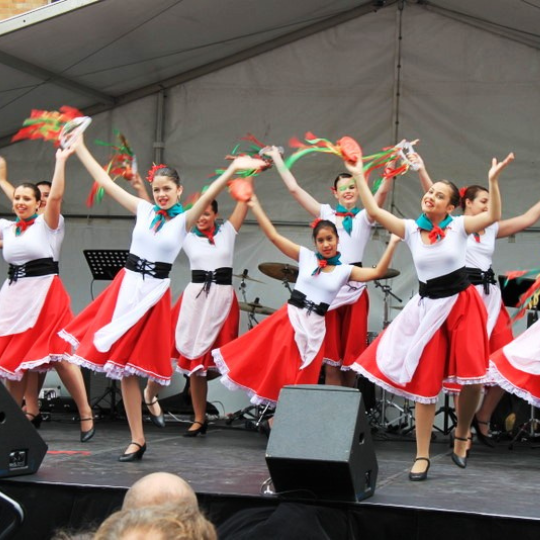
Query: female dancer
[
  {"x": 34, "y": 379},
  {"x": 480, "y": 249},
  {"x": 126, "y": 331},
  {"x": 347, "y": 317},
  {"x": 441, "y": 332},
  {"x": 516, "y": 367},
  {"x": 286, "y": 348},
  {"x": 207, "y": 315},
  {"x": 34, "y": 305}
]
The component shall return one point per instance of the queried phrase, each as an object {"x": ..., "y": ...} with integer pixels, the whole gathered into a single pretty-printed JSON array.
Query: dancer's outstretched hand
[
  {"x": 498, "y": 166},
  {"x": 247, "y": 163}
]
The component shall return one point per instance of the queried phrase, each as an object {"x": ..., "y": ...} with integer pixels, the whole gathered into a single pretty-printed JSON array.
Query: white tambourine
[
  {"x": 72, "y": 130},
  {"x": 406, "y": 148}
]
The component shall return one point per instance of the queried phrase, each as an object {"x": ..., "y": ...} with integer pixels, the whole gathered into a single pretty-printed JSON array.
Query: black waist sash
[
  {"x": 479, "y": 277},
  {"x": 159, "y": 270},
  {"x": 37, "y": 267},
  {"x": 445, "y": 286},
  {"x": 219, "y": 276},
  {"x": 299, "y": 300}
]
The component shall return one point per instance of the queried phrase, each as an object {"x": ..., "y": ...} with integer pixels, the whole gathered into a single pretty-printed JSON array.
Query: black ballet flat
[
  {"x": 132, "y": 456},
  {"x": 194, "y": 432},
  {"x": 87, "y": 435},
  {"x": 461, "y": 462},
  {"x": 35, "y": 419},
  {"x": 159, "y": 419},
  {"x": 420, "y": 476},
  {"x": 484, "y": 439}
]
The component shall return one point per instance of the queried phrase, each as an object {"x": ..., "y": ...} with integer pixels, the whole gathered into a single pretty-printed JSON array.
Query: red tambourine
[
  {"x": 350, "y": 149},
  {"x": 240, "y": 189}
]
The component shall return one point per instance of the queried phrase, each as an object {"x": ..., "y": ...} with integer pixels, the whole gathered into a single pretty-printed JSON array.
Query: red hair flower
[
  {"x": 315, "y": 222},
  {"x": 462, "y": 192},
  {"x": 152, "y": 172}
]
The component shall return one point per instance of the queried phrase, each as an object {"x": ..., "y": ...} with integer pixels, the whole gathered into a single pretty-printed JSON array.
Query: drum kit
[{"x": 286, "y": 273}]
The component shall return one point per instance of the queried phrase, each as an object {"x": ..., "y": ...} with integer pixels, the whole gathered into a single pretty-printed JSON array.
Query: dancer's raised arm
[
  {"x": 286, "y": 246},
  {"x": 120, "y": 195},
  {"x": 384, "y": 217},
  {"x": 241, "y": 163},
  {"x": 379, "y": 270},
  {"x": 304, "y": 199},
  {"x": 481, "y": 221},
  {"x": 425, "y": 179},
  {"x": 5, "y": 185},
  {"x": 508, "y": 227},
  {"x": 54, "y": 202}
]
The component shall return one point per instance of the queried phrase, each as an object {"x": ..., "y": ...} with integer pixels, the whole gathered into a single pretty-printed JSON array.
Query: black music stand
[
  {"x": 511, "y": 293},
  {"x": 104, "y": 264}
]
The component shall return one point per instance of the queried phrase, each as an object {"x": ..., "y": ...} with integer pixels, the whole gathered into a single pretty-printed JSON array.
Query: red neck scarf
[
  {"x": 208, "y": 233},
  {"x": 22, "y": 224}
]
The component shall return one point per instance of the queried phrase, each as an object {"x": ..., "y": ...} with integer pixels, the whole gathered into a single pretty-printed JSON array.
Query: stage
[{"x": 80, "y": 484}]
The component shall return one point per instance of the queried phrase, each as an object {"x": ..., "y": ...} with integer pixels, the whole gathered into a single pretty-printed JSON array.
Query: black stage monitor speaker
[
  {"x": 21, "y": 448},
  {"x": 320, "y": 445}
]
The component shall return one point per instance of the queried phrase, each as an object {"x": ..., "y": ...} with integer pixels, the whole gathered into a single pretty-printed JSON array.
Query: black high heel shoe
[
  {"x": 484, "y": 439},
  {"x": 420, "y": 476},
  {"x": 132, "y": 456},
  {"x": 194, "y": 432},
  {"x": 35, "y": 419},
  {"x": 159, "y": 419},
  {"x": 451, "y": 443},
  {"x": 461, "y": 462},
  {"x": 87, "y": 435}
]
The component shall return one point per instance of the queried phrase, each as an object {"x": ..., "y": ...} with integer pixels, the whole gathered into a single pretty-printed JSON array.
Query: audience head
[{"x": 157, "y": 489}]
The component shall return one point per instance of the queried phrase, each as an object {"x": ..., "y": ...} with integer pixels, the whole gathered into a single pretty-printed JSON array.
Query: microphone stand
[
  {"x": 387, "y": 291},
  {"x": 252, "y": 320}
]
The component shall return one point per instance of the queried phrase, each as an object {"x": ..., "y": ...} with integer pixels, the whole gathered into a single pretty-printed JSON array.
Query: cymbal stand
[
  {"x": 404, "y": 422},
  {"x": 528, "y": 431},
  {"x": 286, "y": 284},
  {"x": 252, "y": 320}
]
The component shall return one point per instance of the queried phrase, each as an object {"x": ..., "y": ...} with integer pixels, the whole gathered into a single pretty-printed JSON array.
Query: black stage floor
[{"x": 77, "y": 484}]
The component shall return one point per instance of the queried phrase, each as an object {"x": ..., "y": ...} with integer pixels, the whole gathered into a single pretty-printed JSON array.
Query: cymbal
[
  {"x": 246, "y": 277},
  {"x": 255, "y": 307},
  {"x": 281, "y": 271},
  {"x": 391, "y": 273}
]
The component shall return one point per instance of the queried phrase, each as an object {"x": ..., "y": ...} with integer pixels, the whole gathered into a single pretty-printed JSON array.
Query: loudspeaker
[
  {"x": 320, "y": 445},
  {"x": 21, "y": 448}
]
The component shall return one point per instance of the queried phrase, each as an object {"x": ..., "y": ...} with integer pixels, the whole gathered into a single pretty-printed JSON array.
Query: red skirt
[
  {"x": 502, "y": 331},
  {"x": 201, "y": 365},
  {"x": 458, "y": 352},
  {"x": 522, "y": 384},
  {"x": 39, "y": 345},
  {"x": 501, "y": 335},
  {"x": 346, "y": 333},
  {"x": 265, "y": 359},
  {"x": 143, "y": 350}
]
